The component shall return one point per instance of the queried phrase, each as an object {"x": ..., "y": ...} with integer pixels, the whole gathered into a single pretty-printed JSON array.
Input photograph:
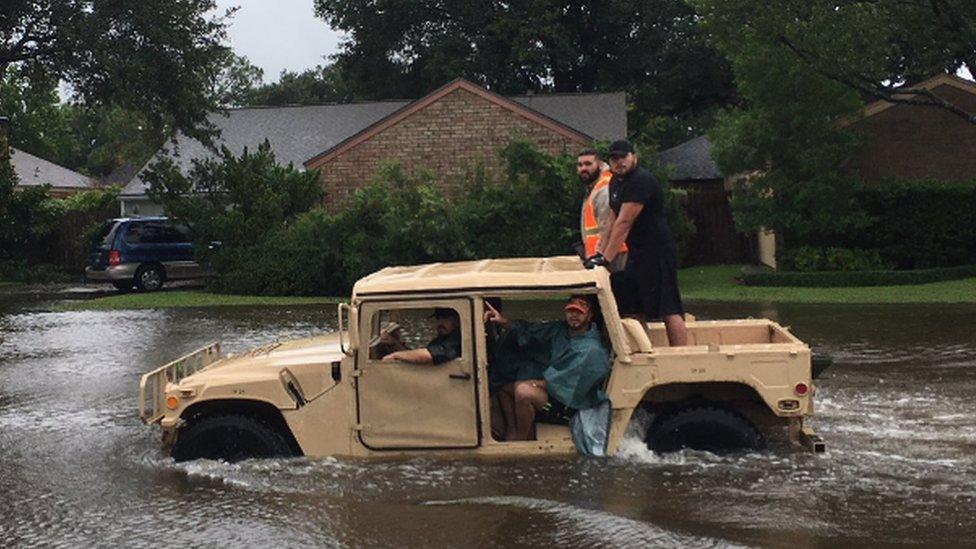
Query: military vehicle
[{"x": 738, "y": 385}]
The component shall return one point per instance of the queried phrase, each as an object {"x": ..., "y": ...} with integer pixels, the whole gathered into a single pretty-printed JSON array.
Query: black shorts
[{"x": 648, "y": 285}]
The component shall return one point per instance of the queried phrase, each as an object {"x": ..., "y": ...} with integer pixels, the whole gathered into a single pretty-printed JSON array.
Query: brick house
[
  {"x": 911, "y": 142},
  {"x": 449, "y": 131}
]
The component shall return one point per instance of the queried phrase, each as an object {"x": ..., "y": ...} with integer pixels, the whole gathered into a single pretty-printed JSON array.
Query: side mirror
[{"x": 345, "y": 311}]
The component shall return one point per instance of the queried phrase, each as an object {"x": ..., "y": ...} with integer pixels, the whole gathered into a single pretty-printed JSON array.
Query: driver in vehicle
[
  {"x": 443, "y": 348},
  {"x": 556, "y": 367}
]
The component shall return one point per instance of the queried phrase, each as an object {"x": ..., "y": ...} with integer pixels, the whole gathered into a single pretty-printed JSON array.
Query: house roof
[
  {"x": 518, "y": 107},
  {"x": 930, "y": 84},
  {"x": 690, "y": 160},
  {"x": 519, "y": 273},
  {"x": 299, "y": 133},
  {"x": 33, "y": 171}
]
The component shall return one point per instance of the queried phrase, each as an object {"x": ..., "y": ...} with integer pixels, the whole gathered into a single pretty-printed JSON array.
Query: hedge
[{"x": 836, "y": 279}]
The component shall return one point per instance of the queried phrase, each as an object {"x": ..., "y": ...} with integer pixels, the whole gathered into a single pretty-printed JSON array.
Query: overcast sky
[{"x": 279, "y": 35}]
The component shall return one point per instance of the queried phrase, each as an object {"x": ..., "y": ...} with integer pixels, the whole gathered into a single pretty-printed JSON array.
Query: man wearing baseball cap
[
  {"x": 553, "y": 367},
  {"x": 648, "y": 285},
  {"x": 443, "y": 348}
]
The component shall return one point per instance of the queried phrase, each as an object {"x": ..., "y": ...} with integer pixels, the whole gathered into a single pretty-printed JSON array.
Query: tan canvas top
[{"x": 531, "y": 272}]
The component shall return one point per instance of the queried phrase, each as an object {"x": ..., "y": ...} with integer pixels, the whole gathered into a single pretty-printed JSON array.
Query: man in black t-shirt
[
  {"x": 648, "y": 285},
  {"x": 443, "y": 348}
]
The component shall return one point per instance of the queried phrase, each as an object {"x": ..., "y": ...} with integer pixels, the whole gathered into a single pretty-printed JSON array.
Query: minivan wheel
[
  {"x": 149, "y": 278},
  {"x": 703, "y": 426},
  {"x": 229, "y": 437}
]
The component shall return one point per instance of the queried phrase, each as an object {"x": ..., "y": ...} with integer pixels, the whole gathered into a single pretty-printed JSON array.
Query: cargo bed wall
[{"x": 725, "y": 332}]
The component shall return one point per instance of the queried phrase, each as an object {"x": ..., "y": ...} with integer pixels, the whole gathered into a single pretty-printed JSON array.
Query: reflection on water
[{"x": 77, "y": 466}]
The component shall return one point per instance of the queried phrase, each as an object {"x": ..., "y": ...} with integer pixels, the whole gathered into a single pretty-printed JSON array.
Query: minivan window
[
  {"x": 103, "y": 238},
  {"x": 153, "y": 232}
]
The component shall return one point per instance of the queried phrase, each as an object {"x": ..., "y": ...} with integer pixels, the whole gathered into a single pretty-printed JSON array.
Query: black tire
[
  {"x": 229, "y": 437},
  {"x": 150, "y": 278},
  {"x": 703, "y": 426},
  {"x": 123, "y": 286}
]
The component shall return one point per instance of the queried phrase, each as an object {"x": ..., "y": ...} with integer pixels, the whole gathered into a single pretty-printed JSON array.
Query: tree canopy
[
  {"x": 159, "y": 58},
  {"x": 648, "y": 48},
  {"x": 878, "y": 49}
]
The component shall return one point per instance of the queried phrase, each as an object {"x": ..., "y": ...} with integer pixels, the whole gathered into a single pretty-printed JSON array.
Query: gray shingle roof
[
  {"x": 33, "y": 171},
  {"x": 295, "y": 133},
  {"x": 602, "y": 116},
  {"x": 690, "y": 160},
  {"x": 298, "y": 133}
]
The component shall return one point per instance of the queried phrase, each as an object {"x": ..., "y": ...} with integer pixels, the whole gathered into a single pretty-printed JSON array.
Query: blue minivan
[{"x": 141, "y": 252}]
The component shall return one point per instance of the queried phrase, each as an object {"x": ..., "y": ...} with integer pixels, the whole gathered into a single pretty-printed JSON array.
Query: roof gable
[
  {"x": 940, "y": 80},
  {"x": 691, "y": 160},
  {"x": 33, "y": 171},
  {"x": 436, "y": 95}
]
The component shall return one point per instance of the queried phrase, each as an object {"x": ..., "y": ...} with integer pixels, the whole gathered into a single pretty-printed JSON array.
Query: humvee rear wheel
[
  {"x": 229, "y": 437},
  {"x": 703, "y": 426}
]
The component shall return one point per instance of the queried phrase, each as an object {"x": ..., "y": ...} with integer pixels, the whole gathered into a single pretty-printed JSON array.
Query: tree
[
  {"x": 650, "y": 49},
  {"x": 879, "y": 49},
  {"x": 235, "y": 199},
  {"x": 156, "y": 57},
  {"x": 786, "y": 133},
  {"x": 39, "y": 124},
  {"x": 310, "y": 87}
]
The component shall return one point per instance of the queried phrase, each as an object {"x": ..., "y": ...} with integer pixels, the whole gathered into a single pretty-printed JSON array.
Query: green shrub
[
  {"x": 836, "y": 279},
  {"x": 920, "y": 224},
  {"x": 19, "y": 270}
]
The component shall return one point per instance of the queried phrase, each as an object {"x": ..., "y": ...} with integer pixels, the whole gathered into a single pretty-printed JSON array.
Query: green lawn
[
  {"x": 709, "y": 283},
  {"x": 190, "y": 298},
  {"x": 716, "y": 283}
]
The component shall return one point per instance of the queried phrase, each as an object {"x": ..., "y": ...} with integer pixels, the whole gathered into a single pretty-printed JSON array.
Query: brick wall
[
  {"x": 906, "y": 142},
  {"x": 448, "y": 137}
]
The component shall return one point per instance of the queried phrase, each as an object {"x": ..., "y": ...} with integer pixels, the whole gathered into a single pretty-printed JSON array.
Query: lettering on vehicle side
[
  {"x": 699, "y": 370},
  {"x": 238, "y": 391}
]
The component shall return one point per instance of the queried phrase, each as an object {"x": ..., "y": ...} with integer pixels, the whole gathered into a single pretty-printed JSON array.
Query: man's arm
[
  {"x": 413, "y": 356},
  {"x": 619, "y": 229}
]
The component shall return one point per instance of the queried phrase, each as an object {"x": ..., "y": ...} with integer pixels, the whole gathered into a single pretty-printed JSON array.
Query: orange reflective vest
[{"x": 590, "y": 224}]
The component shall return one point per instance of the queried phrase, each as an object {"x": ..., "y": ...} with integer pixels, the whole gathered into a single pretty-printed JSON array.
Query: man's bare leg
[
  {"x": 530, "y": 397},
  {"x": 677, "y": 330},
  {"x": 506, "y": 400}
]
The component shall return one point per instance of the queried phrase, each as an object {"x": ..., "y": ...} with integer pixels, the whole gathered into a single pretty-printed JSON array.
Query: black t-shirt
[
  {"x": 650, "y": 230},
  {"x": 446, "y": 347}
]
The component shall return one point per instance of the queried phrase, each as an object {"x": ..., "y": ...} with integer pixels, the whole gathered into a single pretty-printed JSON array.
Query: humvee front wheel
[
  {"x": 703, "y": 426},
  {"x": 229, "y": 437}
]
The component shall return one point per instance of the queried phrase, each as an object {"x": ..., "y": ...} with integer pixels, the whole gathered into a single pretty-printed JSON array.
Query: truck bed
[{"x": 725, "y": 332}]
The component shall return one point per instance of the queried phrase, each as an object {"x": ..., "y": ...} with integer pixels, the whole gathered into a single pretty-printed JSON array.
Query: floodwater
[{"x": 897, "y": 410}]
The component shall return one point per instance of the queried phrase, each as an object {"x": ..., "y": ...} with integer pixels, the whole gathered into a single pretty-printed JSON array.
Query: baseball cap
[
  {"x": 620, "y": 148},
  {"x": 578, "y": 303}
]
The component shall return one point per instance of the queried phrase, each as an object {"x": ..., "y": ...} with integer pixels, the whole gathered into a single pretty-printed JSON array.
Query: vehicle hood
[{"x": 306, "y": 362}]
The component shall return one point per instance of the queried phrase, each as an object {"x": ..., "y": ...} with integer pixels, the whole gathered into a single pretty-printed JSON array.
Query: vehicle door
[{"x": 403, "y": 405}]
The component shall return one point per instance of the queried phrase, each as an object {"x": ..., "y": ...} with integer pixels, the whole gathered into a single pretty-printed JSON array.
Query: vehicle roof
[
  {"x": 140, "y": 218},
  {"x": 537, "y": 273}
]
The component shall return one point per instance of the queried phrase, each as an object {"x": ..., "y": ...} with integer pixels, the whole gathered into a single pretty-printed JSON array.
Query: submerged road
[{"x": 77, "y": 467}]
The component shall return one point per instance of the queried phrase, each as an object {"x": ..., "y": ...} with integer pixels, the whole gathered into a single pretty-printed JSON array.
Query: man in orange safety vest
[{"x": 595, "y": 214}]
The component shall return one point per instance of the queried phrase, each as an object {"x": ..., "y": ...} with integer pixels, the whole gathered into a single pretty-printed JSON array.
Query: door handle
[{"x": 463, "y": 375}]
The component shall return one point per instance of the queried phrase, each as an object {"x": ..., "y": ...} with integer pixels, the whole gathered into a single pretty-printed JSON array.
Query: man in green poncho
[{"x": 560, "y": 364}]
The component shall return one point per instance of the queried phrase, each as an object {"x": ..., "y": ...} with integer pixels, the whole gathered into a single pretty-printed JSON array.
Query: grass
[
  {"x": 708, "y": 283},
  {"x": 191, "y": 298},
  {"x": 716, "y": 283}
]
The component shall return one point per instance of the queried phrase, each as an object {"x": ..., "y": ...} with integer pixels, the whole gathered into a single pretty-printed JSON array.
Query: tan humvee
[{"x": 738, "y": 383}]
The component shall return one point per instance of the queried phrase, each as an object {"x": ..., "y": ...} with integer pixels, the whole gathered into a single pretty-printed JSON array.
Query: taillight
[
  {"x": 801, "y": 389},
  {"x": 114, "y": 258}
]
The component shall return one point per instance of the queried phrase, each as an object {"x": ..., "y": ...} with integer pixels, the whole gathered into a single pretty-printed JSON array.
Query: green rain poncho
[{"x": 574, "y": 367}]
